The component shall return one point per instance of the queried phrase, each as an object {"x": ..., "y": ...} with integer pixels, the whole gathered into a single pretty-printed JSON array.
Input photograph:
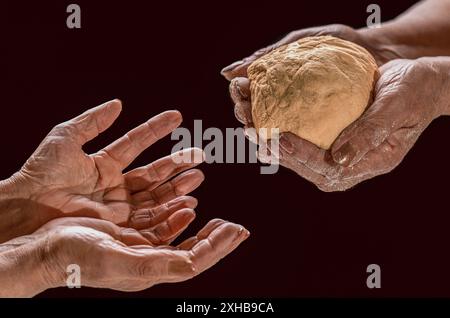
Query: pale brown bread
[{"x": 314, "y": 87}]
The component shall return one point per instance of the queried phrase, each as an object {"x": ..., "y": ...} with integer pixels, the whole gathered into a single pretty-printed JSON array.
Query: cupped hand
[
  {"x": 115, "y": 257},
  {"x": 60, "y": 179},
  {"x": 377, "y": 45},
  {"x": 408, "y": 96}
]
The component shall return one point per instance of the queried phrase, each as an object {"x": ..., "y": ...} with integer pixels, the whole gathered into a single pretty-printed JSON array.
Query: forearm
[{"x": 423, "y": 30}]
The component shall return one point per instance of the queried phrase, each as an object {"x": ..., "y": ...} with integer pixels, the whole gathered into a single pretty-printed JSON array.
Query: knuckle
[
  {"x": 294, "y": 35},
  {"x": 151, "y": 214},
  {"x": 141, "y": 218},
  {"x": 128, "y": 232},
  {"x": 62, "y": 129},
  {"x": 153, "y": 173},
  {"x": 57, "y": 129},
  {"x": 190, "y": 269},
  {"x": 217, "y": 220},
  {"x": 141, "y": 269},
  {"x": 54, "y": 142},
  {"x": 374, "y": 131},
  {"x": 264, "y": 51},
  {"x": 155, "y": 134},
  {"x": 338, "y": 29},
  {"x": 160, "y": 235}
]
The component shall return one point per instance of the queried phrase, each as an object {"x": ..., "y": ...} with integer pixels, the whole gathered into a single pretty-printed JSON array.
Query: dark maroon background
[{"x": 160, "y": 55}]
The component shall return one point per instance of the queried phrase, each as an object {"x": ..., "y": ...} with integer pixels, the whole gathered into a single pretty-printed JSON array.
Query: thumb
[
  {"x": 239, "y": 68},
  {"x": 91, "y": 123},
  {"x": 364, "y": 135}
]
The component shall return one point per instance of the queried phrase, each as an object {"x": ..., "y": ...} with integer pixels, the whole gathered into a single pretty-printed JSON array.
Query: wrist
[
  {"x": 24, "y": 272},
  {"x": 383, "y": 42},
  {"x": 420, "y": 31},
  {"x": 391, "y": 41},
  {"x": 435, "y": 84},
  {"x": 440, "y": 69}
]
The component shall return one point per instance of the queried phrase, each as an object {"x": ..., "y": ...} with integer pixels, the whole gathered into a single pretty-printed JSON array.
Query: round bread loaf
[{"x": 314, "y": 87}]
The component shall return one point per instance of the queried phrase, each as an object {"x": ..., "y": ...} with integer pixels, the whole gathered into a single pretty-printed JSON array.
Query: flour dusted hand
[{"x": 408, "y": 95}]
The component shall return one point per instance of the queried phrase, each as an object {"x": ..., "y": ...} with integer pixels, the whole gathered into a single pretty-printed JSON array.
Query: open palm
[{"x": 60, "y": 179}]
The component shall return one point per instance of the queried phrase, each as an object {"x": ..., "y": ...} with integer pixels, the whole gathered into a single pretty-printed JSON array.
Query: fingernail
[
  {"x": 286, "y": 145},
  {"x": 115, "y": 100},
  {"x": 112, "y": 104},
  {"x": 242, "y": 232},
  {"x": 198, "y": 155},
  {"x": 194, "y": 203},
  {"x": 231, "y": 66},
  {"x": 240, "y": 91},
  {"x": 344, "y": 155}
]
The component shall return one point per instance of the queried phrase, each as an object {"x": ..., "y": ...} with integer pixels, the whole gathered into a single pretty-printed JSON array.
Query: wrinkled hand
[
  {"x": 110, "y": 256},
  {"x": 408, "y": 96},
  {"x": 60, "y": 179},
  {"x": 236, "y": 72},
  {"x": 380, "y": 48}
]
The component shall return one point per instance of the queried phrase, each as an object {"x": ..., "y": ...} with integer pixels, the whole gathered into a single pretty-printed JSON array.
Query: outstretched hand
[
  {"x": 60, "y": 179},
  {"x": 111, "y": 256},
  {"x": 121, "y": 225}
]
